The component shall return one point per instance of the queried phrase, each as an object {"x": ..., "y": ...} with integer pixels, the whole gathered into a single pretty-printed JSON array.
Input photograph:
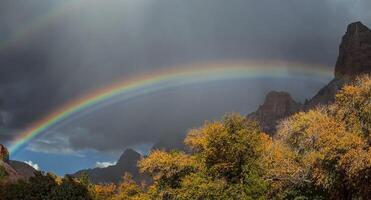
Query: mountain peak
[
  {"x": 277, "y": 105},
  {"x": 354, "y": 52},
  {"x": 275, "y": 95},
  {"x": 356, "y": 28},
  {"x": 112, "y": 174},
  {"x": 128, "y": 156}
]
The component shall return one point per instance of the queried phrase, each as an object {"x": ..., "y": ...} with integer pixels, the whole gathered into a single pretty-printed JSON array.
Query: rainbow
[{"x": 166, "y": 79}]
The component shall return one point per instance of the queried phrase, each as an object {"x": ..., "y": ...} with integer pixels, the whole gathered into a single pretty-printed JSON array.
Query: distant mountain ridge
[{"x": 112, "y": 174}]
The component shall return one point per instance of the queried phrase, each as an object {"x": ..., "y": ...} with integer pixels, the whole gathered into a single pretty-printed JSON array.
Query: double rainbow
[{"x": 166, "y": 79}]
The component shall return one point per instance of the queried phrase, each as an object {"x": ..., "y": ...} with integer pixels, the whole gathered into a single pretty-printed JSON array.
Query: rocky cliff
[
  {"x": 22, "y": 168},
  {"x": 354, "y": 59},
  {"x": 354, "y": 52},
  {"x": 277, "y": 105}
]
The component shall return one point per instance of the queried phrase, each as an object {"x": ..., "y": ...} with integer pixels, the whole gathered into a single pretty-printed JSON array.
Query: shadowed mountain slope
[{"x": 112, "y": 174}]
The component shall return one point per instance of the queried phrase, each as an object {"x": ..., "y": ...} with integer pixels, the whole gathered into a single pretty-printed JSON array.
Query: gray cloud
[
  {"x": 56, "y": 142},
  {"x": 102, "y": 41}
]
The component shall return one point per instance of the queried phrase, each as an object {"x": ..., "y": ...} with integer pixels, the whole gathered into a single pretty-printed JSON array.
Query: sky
[{"x": 54, "y": 51}]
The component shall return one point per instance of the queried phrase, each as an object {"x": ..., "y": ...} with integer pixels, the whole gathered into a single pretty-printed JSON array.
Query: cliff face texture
[
  {"x": 326, "y": 95},
  {"x": 277, "y": 105},
  {"x": 354, "y": 59},
  {"x": 354, "y": 52}
]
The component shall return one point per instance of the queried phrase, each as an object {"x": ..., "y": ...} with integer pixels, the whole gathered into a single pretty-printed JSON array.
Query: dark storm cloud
[{"x": 102, "y": 41}]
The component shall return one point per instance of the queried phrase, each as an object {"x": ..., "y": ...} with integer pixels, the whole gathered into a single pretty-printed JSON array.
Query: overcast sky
[{"x": 53, "y": 51}]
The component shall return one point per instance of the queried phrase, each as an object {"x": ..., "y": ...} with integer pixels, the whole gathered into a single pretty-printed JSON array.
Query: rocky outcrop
[
  {"x": 112, "y": 174},
  {"x": 11, "y": 171},
  {"x": 4, "y": 154},
  {"x": 326, "y": 95},
  {"x": 354, "y": 52},
  {"x": 8, "y": 174},
  {"x": 277, "y": 105},
  {"x": 22, "y": 168},
  {"x": 354, "y": 59}
]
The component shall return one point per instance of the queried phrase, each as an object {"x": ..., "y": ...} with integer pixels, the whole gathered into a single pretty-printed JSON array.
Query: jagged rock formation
[
  {"x": 277, "y": 105},
  {"x": 354, "y": 59},
  {"x": 326, "y": 95},
  {"x": 354, "y": 52},
  {"x": 112, "y": 174}
]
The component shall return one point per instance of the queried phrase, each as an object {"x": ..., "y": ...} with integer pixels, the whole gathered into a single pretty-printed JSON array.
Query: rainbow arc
[{"x": 174, "y": 77}]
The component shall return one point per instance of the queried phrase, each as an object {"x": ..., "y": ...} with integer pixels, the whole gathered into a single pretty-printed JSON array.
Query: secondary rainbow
[{"x": 165, "y": 79}]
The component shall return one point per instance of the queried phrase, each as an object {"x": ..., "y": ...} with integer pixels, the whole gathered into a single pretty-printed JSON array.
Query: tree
[
  {"x": 167, "y": 170},
  {"x": 103, "y": 191},
  {"x": 69, "y": 188},
  {"x": 353, "y": 106},
  {"x": 37, "y": 187},
  {"x": 320, "y": 156},
  {"x": 3, "y": 173},
  {"x": 130, "y": 190},
  {"x": 224, "y": 162},
  {"x": 229, "y": 149}
]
